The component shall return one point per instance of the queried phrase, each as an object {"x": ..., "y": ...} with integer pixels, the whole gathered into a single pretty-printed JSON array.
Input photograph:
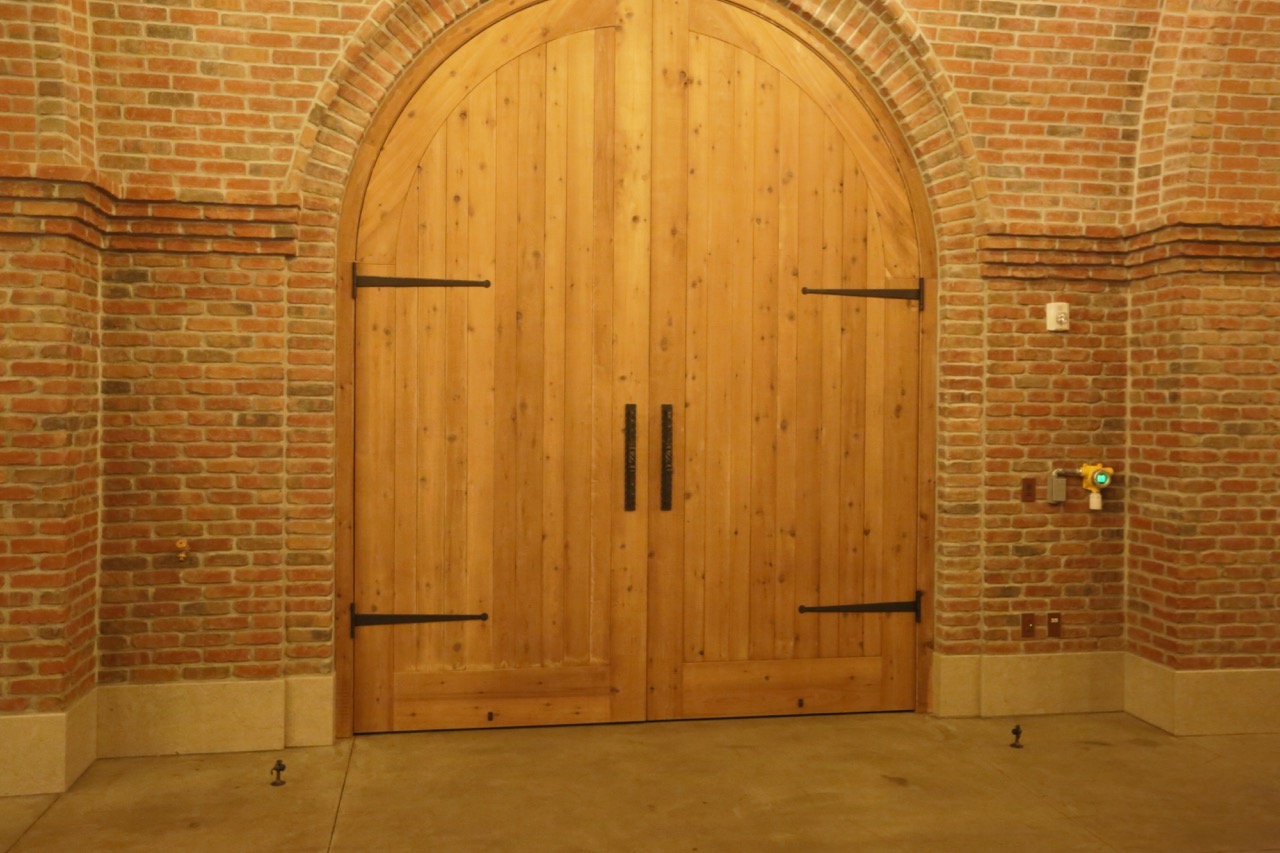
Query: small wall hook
[
  {"x": 1017, "y": 736},
  {"x": 278, "y": 769}
]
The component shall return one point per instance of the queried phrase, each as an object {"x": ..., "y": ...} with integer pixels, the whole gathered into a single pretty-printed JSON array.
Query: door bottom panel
[
  {"x": 767, "y": 688},
  {"x": 499, "y": 698}
]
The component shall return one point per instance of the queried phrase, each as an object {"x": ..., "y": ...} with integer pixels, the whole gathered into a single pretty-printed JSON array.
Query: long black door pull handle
[
  {"x": 668, "y": 455},
  {"x": 629, "y": 459}
]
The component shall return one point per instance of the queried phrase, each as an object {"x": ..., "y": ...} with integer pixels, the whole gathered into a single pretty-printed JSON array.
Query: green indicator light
[{"x": 1101, "y": 478}]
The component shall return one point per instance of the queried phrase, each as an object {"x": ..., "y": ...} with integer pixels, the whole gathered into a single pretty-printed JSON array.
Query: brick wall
[
  {"x": 210, "y": 435},
  {"x": 1205, "y": 510},
  {"x": 173, "y": 175},
  {"x": 193, "y": 434},
  {"x": 1053, "y": 400},
  {"x": 49, "y": 437},
  {"x": 50, "y": 524}
]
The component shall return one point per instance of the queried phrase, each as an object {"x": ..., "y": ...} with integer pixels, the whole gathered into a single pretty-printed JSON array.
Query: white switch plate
[
  {"x": 1057, "y": 316},
  {"x": 1057, "y": 491}
]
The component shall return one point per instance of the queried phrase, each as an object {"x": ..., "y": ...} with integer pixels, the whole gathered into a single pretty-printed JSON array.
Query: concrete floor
[{"x": 856, "y": 783}]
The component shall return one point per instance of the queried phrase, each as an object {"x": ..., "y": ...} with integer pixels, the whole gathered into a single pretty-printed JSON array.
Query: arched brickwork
[
  {"x": 880, "y": 39},
  {"x": 1164, "y": 146},
  {"x": 1204, "y": 156}
]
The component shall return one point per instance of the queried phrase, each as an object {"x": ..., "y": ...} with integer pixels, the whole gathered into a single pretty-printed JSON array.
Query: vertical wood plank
[
  {"x": 900, "y": 419},
  {"x": 579, "y": 325},
  {"x": 810, "y": 367},
  {"x": 531, "y": 346},
  {"x": 787, "y": 295},
  {"x": 376, "y": 490},
  {"x": 667, "y": 322},
  {"x": 762, "y": 471},
  {"x": 506, "y": 600},
  {"x": 425, "y": 579},
  {"x": 833, "y": 503},
  {"x": 606, "y": 486},
  {"x": 742, "y": 272},
  {"x": 856, "y": 528},
  {"x": 631, "y": 277},
  {"x": 554, "y": 545},
  {"x": 480, "y": 344},
  {"x": 411, "y": 558},
  {"x": 454, "y": 369},
  {"x": 901, "y": 483},
  {"x": 900, "y": 457},
  {"x": 899, "y": 259},
  {"x": 694, "y": 451},
  {"x": 722, "y": 178},
  {"x": 871, "y": 585}
]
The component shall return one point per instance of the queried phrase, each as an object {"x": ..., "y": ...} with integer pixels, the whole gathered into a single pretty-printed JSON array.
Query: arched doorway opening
[{"x": 619, "y": 387}]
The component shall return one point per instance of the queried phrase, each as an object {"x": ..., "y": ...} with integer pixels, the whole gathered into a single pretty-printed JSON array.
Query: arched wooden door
[{"x": 608, "y": 448}]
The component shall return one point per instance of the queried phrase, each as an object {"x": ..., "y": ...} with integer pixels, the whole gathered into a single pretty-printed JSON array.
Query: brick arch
[
  {"x": 394, "y": 35},
  {"x": 885, "y": 44},
  {"x": 1174, "y": 99},
  {"x": 879, "y": 37},
  {"x": 1199, "y": 156}
]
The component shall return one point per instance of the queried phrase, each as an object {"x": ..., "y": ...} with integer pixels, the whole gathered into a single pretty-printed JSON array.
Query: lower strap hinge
[
  {"x": 360, "y": 620},
  {"x": 913, "y": 606}
]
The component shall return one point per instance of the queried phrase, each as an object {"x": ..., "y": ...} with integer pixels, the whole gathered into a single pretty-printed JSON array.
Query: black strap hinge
[
  {"x": 912, "y": 606},
  {"x": 360, "y": 620},
  {"x": 359, "y": 280},
  {"x": 891, "y": 293}
]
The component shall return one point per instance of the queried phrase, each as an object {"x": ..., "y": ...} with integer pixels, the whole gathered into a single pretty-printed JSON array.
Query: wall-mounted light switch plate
[
  {"x": 1057, "y": 490},
  {"x": 1057, "y": 316},
  {"x": 1028, "y": 626}
]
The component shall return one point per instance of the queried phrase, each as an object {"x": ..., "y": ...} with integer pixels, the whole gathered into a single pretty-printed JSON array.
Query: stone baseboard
[
  {"x": 46, "y": 753},
  {"x": 220, "y": 716},
  {"x": 1004, "y": 685},
  {"x": 1203, "y": 702},
  {"x": 1210, "y": 702},
  {"x": 309, "y": 709},
  {"x": 190, "y": 717}
]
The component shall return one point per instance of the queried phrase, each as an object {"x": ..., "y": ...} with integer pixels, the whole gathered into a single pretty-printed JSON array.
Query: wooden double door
[{"x": 608, "y": 448}]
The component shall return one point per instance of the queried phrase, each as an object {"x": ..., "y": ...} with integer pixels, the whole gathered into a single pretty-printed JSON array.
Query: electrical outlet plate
[
  {"x": 1028, "y": 489},
  {"x": 1054, "y": 624},
  {"x": 1057, "y": 316}
]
